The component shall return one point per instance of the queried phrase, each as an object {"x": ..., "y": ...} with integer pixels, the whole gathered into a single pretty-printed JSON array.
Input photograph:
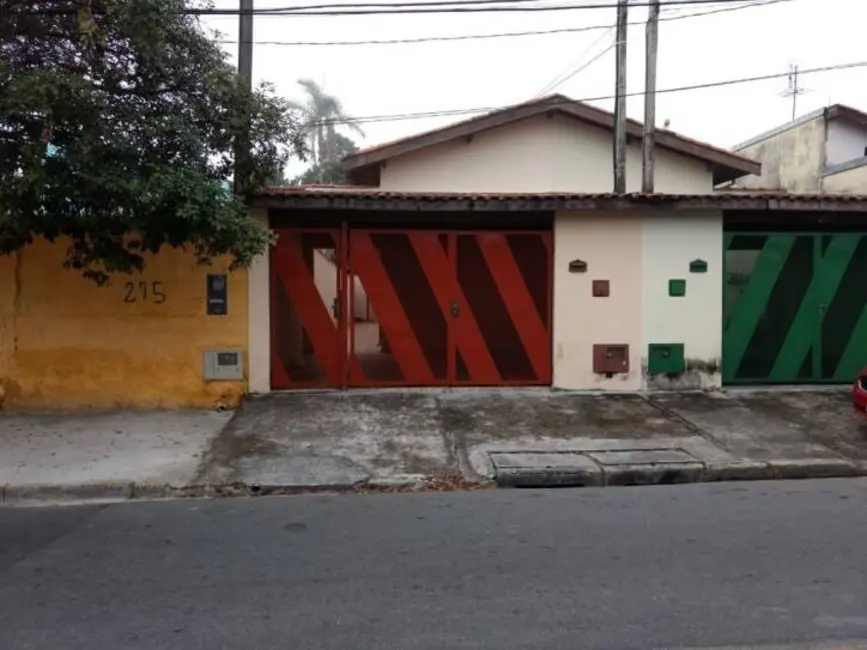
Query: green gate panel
[
  {"x": 760, "y": 280},
  {"x": 794, "y": 307},
  {"x": 801, "y": 337}
]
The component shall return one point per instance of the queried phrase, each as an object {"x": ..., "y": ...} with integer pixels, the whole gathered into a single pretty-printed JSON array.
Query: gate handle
[{"x": 455, "y": 309}]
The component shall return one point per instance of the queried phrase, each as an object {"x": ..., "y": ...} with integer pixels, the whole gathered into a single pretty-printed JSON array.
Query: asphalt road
[{"x": 752, "y": 564}]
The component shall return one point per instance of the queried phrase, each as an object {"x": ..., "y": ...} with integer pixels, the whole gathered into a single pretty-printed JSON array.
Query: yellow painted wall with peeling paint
[{"x": 66, "y": 343}]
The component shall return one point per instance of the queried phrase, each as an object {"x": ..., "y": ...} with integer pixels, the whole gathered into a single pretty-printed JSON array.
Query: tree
[
  {"x": 117, "y": 124},
  {"x": 329, "y": 171},
  {"x": 321, "y": 115}
]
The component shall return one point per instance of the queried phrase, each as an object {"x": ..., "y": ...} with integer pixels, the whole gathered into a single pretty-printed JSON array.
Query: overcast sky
[{"x": 377, "y": 80}]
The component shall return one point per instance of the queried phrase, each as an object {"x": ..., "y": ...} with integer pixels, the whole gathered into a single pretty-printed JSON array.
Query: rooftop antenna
[{"x": 794, "y": 89}]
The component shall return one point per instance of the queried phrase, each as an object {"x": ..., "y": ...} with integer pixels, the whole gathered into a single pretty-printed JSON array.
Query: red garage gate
[{"x": 388, "y": 307}]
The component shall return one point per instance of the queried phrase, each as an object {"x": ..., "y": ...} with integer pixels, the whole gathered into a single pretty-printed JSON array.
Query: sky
[{"x": 379, "y": 80}]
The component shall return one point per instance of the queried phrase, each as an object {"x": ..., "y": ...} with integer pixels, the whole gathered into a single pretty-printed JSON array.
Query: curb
[
  {"x": 589, "y": 476},
  {"x": 111, "y": 491},
  {"x": 670, "y": 474}
]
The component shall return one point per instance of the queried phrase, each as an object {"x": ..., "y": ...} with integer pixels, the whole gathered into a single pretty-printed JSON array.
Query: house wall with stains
[
  {"x": 670, "y": 245},
  {"x": 539, "y": 154},
  {"x": 792, "y": 158},
  {"x": 137, "y": 342}
]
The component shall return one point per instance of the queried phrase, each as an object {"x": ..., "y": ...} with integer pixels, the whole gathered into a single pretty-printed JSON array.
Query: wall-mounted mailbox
[
  {"x": 577, "y": 266},
  {"x": 610, "y": 358},
  {"x": 601, "y": 288},
  {"x": 665, "y": 359},
  {"x": 217, "y": 295},
  {"x": 698, "y": 266},
  {"x": 677, "y": 288}
]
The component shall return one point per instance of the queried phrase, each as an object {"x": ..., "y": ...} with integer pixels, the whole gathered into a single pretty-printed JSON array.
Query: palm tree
[{"x": 321, "y": 115}]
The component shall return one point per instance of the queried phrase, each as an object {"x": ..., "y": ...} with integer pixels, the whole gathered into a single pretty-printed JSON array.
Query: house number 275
[{"x": 144, "y": 292}]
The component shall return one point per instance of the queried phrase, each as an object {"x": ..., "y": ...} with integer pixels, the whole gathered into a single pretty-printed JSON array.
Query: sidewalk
[
  {"x": 373, "y": 440},
  {"x": 109, "y": 455}
]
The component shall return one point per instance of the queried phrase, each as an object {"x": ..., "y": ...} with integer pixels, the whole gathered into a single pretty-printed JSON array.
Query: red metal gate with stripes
[{"x": 354, "y": 308}]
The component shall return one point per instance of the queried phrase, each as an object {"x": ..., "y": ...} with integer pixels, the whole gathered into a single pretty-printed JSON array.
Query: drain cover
[
  {"x": 545, "y": 469},
  {"x": 641, "y": 457}
]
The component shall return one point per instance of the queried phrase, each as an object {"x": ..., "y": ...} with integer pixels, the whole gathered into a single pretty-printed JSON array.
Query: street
[{"x": 703, "y": 565}]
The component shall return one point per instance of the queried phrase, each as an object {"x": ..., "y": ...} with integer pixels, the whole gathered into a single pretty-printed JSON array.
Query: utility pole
[
  {"x": 648, "y": 142},
  {"x": 794, "y": 89},
  {"x": 245, "y": 72},
  {"x": 620, "y": 100}
]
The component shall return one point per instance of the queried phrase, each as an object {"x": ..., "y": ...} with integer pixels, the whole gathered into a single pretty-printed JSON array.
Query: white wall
[
  {"x": 845, "y": 142},
  {"x": 540, "y": 154},
  {"x": 669, "y": 244},
  {"x": 259, "y": 316},
  {"x": 611, "y": 244}
]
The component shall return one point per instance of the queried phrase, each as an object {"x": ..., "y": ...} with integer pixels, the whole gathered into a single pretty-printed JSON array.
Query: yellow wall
[{"x": 66, "y": 343}]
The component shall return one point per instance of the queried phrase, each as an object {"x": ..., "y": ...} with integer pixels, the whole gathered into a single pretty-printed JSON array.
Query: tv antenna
[{"x": 794, "y": 88}]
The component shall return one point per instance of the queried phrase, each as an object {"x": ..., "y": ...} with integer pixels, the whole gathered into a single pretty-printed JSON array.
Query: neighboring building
[{"x": 824, "y": 152}]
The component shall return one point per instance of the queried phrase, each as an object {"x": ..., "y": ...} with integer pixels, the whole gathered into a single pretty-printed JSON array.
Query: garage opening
[{"x": 382, "y": 306}]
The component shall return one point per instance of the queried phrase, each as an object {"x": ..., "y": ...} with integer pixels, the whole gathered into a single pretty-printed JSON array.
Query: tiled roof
[
  {"x": 343, "y": 191},
  {"x": 357, "y": 197}
]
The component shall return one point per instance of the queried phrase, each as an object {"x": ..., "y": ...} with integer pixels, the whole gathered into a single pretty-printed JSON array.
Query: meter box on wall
[{"x": 225, "y": 364}]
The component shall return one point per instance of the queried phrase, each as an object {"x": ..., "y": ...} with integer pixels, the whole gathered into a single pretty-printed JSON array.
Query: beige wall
[
  {"x": 851, "y": 181},
  {"x": 541, "y": 154},
  {"x": 611, "y": 244},
  {"x": 792, "y": 160},
  {"x": 669, "y": 244}
]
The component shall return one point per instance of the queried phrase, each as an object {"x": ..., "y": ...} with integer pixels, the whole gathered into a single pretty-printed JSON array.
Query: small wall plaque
[
  {"x": 698, "y": 266},
  {"x": 577, "y": 266},
  {"x": 217, "y": 295}
]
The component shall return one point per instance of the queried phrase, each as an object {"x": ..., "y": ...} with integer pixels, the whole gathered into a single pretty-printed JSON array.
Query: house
[
  {"x": 823, "y": 152},
  {"x": 486, "y": 253}
]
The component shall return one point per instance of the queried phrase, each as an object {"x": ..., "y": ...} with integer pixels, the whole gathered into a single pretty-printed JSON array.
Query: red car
[{"x": 859, "y": 394}]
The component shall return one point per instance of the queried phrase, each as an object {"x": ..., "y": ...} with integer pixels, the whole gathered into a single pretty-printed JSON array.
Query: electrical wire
[
  {"x": 469, "y": 37},
  {"x": 445, "y": 8},
  {"x": 571, "y": 71},
  {"x": 640, "y": 93},
  {"x": 422, "y": 6}
]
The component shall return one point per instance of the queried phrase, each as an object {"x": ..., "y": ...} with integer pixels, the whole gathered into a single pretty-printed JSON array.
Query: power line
[
  {"x": 712, "y": 84},
  {"x": 546, "y": 88},
  {"x": 557, "y": 82},
  {"x": 438, "y": 6},
  {"x": 468, "y": 37}
]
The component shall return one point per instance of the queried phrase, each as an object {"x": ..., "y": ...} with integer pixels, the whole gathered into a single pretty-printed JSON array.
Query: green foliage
[
  {"x": 321, "y": 116},
  {"x": 144, "y": 110},
  {"x": 329, "y": 171}
]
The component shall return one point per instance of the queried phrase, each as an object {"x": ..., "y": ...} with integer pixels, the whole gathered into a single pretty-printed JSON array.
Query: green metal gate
[{"x": 794, "y": 307}]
